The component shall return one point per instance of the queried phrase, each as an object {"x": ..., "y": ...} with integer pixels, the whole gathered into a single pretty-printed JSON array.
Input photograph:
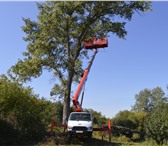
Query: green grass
[{"x": 95, "y": 141}]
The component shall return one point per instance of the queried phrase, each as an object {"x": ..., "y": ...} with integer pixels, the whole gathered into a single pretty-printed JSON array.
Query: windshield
[{"x": 80, "y": 117}]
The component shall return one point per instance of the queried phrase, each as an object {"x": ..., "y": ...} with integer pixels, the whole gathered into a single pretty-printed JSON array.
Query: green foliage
[
  {"x": 8, "y": 134},
  {"x": 55, "y": 40},
  {"x": 154, "y": 104},
  {"x": 98, "y": 118},
  {"x": 20, "y": 108},
  {"x": 156, "y": 124},
  {"x": 147, "y": 99},
  {"x": 130, "y": 124},
  {"x": 22, "y": 112},
  {"x": 126, "y": 119}
]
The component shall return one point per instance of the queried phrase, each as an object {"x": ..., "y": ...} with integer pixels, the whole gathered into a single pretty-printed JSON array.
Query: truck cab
[{"x": 80, "y": 123}]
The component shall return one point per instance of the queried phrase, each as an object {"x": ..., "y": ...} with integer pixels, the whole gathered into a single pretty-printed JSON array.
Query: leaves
[
  {"x": 147, "y": 99},
  {"x": 55, "y": 40},
  {"x": 153, "y": 104},
  {"x": 25, "y": 112},
  {"x": 156, "y": 124}
]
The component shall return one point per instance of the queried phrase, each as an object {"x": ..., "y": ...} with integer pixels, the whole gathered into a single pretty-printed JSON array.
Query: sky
[{"x": 119, "y": 72}]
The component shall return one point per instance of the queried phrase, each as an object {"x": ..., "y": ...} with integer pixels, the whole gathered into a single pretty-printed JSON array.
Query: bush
[
  {"x": 8, "y": 135},
  {"x": 20, "y": 112}
]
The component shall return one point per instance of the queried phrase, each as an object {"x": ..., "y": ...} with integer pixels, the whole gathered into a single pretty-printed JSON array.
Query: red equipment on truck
[
  {"x": 92, "y": 43},
  {"x": 95, "y": 42},
  {"x": 75, "y": 101}
]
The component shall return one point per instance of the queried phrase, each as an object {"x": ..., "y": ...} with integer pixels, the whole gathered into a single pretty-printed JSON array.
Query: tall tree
[
  {"x": 147, "y": 99},
  {"x": 55, "y": 40}
]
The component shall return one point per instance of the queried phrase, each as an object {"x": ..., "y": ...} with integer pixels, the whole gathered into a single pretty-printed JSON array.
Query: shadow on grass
[{"x": 94, "y": 142}]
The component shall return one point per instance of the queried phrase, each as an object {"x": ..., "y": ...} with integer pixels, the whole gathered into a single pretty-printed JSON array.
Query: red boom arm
[{"x": 75, "y": 101}]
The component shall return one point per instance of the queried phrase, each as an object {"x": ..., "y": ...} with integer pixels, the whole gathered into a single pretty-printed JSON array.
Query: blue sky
[{"x": 118, "y": 72}]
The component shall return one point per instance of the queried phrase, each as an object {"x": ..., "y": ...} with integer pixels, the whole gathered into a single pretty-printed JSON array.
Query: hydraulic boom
[
  {"x": 91, "y": 43},
  {"x": 77, "y": 105}
]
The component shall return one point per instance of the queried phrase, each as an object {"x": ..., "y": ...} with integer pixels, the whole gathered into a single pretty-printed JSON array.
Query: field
[{"x": 95, "y": 141}]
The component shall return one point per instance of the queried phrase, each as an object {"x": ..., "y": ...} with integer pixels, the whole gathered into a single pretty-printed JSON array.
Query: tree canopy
[
  {"x": 153, "y": 103},
  {"x": 147, "y": 99},
  {"x": 55, "y": 40}
]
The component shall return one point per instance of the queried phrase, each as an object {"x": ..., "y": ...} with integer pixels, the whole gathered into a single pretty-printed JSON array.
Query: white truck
[{"x": 80, "y": 123}]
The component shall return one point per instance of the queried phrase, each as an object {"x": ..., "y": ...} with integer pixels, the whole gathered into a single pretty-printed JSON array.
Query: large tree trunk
[
  {"x": 66, "y": 109},
  {"x": 66, "y": 105}
]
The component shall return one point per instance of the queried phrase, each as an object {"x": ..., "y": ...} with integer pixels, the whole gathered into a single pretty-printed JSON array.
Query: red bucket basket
[{"x": 94, "y": 43}]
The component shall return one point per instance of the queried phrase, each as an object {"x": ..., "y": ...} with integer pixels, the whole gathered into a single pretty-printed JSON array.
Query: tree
[
  {"x": 156, "y": 123},
  {"x": 98, "y": 118},
  {"x": 127, "y": 123},
  {"x": 154, "y": 103},
  {"x": 126, "y": 119},
  {"x": 55, "y": 40},
  {"x": 147, "y": 99}
]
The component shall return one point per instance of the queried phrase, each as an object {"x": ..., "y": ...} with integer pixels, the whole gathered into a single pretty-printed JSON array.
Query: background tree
[
  {"x": 130, "y": 121},
  {"x": 98, "y": 118},
  {"x": 126, "y": 119},
  {"x": 147, "y": 99},
  {"x": 55, "y": 40},
  {"x": 153, "y": 104},
  {"x": 156, "y": 124}
]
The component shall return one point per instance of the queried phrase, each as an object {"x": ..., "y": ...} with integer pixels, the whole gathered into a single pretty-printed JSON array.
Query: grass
[{"x": 96, "y": 140}]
